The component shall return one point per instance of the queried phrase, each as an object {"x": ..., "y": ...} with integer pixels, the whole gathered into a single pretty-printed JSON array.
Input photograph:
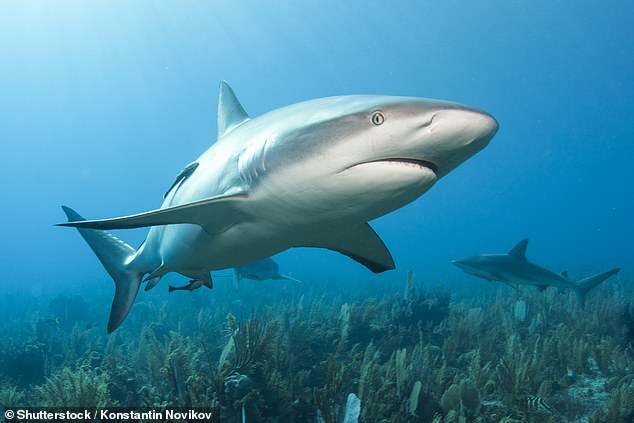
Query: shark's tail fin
[
  {"x": 587, "y": 284},
  {"x": 113, "y": 254}
]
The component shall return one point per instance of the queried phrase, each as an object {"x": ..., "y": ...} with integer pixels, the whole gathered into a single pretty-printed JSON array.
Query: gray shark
[
  {"x": 513, "y": 268},
  {"x": 260, "y": 270},
  {"x": 311, "y": 174}
]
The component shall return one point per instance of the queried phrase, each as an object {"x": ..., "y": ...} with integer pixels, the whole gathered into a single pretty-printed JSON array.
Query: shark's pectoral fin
[
  {"x": 213, "y": 214},
  {"x": 361, "y": 244}
]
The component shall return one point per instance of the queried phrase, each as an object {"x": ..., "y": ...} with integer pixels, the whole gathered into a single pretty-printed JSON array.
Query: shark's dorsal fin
[
  {"x": 230, "y": 112},
  {"x": 361, "y": 244},
  {"x": 519, "y": 251}
]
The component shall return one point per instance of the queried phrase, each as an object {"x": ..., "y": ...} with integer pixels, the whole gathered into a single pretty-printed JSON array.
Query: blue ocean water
[{"x": 102, "y": 103}]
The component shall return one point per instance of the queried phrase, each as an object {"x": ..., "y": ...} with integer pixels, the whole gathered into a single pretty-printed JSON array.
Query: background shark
[
  {"x": 307, "y": 175},
  {"x": 514, "y": 268},
  {"x": 260, "y": 270}
]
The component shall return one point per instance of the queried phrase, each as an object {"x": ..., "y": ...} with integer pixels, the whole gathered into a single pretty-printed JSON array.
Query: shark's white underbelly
[{"x": 187, "y": 248}]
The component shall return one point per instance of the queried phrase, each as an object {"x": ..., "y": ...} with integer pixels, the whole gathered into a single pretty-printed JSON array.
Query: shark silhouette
[{"x": 513, "y": 268}]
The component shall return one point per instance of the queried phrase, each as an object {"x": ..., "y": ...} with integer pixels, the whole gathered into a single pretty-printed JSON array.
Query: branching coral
[
  {"x": 10, "y": 396},
  {"x": 76, "y": 388},
  {"x": 412, "y": 357},
  {"x": 250, "y": 339}
]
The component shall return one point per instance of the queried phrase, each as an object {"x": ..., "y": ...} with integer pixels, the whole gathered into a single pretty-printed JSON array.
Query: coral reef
[
  {"x": 331, "y": 354},
  {"x": 76, "y": 388}
]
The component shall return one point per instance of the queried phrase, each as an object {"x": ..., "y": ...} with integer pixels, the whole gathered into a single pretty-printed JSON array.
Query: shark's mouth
[{"x": 404, "y": 161}]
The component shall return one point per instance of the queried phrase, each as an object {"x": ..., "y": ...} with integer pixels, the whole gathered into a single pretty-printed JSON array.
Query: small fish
[
  {"x": 53, "y": 320},
  {"x": 193, "y": 285},
  {"x": 536, "y": 404}
]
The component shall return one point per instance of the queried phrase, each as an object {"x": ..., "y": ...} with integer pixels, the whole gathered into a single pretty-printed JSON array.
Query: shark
[
  {"x": 260, "y": 270},
  {"x": 311, "y": 174},
  {"x": 513, "y": 269}
]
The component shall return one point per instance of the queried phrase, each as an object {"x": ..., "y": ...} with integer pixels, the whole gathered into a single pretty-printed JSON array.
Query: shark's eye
[{"x": 378, "y": 118}]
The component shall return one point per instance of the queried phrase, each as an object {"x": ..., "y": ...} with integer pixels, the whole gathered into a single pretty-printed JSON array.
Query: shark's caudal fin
[
  {"x": 587, "y": 284},
  {"x": 113, "y": 254}
]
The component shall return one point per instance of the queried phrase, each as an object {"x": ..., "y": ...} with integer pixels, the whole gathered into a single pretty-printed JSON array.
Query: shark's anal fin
[
  {"x": 519, "y": 251},
  {"x": 361, "y": 244},
  {"x": 213, "y": 214}
]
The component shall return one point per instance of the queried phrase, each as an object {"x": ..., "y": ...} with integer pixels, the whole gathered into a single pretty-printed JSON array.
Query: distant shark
[
  {"x": 513, "y": 268},
  {"x": 307, "y": 175},
  {"x": 260, "y": 270}
]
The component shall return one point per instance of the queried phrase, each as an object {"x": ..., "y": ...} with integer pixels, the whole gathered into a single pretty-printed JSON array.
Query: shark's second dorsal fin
[
  {"x": 519, "y": 251},
  {"x": 230, "y": 112}
]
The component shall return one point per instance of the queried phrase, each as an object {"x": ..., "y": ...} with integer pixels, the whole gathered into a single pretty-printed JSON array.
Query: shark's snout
[
  {"x": 458, "y": 133},
  {"x": 459, "y": 263},
  {"x": 485, "y": 126}
]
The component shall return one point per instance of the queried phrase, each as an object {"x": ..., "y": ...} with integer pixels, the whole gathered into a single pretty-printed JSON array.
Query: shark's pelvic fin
[
  {"x": 361, "y": 244},
  {"x": 203, "y": 277},
  {"x": 587, "y": 284},
  {"x": 113, "y": 254},
  {"x": 222, "y": 206},
  {"x": 151, "y": 283},
  {"x": 519, "y": 251},
  {"x": 231, "y": 114}
]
